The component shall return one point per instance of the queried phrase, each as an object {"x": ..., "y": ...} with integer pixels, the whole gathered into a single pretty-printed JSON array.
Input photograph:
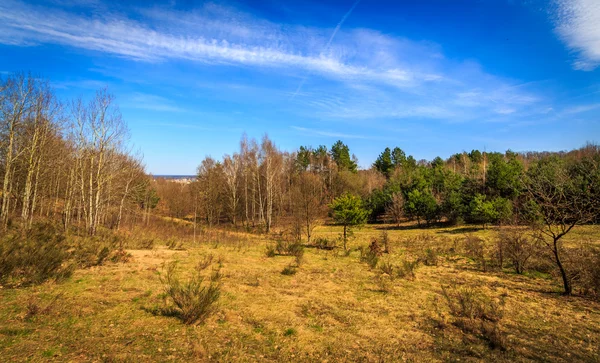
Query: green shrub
[
  {"x": 289, "y": 270},
  {"x": 369, "y": 257},
  {"x": 35, "y": 256},
  {"x": 429, "y": 257},
  {"x": 193, "y": 299},
  {"x": 270, "y": 251},
  {"x": 407, "y": 269},
  {"x": 324, "y": 243}
]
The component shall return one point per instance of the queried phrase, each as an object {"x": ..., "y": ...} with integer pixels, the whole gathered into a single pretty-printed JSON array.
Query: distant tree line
[{"x": 260, "y": 186}]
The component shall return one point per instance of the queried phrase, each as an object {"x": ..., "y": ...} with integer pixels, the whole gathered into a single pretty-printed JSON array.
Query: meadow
[{"x": 428, "y": 299}]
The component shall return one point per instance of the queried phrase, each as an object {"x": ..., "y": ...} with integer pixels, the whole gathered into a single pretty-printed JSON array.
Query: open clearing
[{"x": 333, "y": 309}]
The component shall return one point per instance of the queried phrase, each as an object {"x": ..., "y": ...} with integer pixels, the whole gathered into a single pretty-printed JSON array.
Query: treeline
[
  {"x": 260, "y": 185},
  {"x": 65, "y": 160}
]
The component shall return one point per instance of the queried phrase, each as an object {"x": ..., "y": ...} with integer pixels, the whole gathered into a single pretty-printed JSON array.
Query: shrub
[
  {"x": 89, "y": 252},
  {"x": 385, "y": 239},
  {"x": 270, "y": 251},
  {"x": 285, "y": 248},
  {"x": 194, "y": 300},
  {"x": 584, "y": 266},
  {"x": 517, "y": 247},
  {"x": 205, "y": 262},
  {"x": 467, "y": 302},
  {"x": 174, "y": 244},
  {"x": 35, "y": 256},
  {"x": 375, "y": 247},
  {"x": 387, "y": 268},
  {"x": 475, "y": 249},
  {"x": 369, "y": 257},
  {"x": 475, "y": 312},
  {"x": 324, "y": 243},
  {"x": 429, "y": 257},
  {"x": 407, "y": 269},
  {"x": 289, "y": 270}
]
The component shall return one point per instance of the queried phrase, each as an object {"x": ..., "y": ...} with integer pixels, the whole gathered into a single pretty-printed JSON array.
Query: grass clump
[{"x": 193, "y": 299}]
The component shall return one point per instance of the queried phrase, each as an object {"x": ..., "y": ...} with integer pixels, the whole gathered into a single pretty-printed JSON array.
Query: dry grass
[{"x": 331, "y": 309}]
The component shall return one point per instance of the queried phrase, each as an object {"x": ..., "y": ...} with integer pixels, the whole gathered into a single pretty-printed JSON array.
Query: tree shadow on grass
[{"x": 462, "y": 230}]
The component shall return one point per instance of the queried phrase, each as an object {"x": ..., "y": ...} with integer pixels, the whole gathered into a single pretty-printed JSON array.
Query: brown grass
[{"x": 332, "y": 308}]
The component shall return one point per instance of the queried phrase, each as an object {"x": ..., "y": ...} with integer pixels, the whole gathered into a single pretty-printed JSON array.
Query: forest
[{"x": 78, "y": 205}]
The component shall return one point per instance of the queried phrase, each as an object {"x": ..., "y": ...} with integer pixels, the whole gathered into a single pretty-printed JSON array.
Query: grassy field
[{"x": 334, "y": 308}]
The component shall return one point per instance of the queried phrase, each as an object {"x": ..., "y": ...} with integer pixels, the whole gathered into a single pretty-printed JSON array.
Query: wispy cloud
[
  {"x": 581, "y": 108},
  {"x": 578, "y": 25},
  {"x": 152, "y": 102},
  {"x": 315, "y": 132},
  {"x": 232, "y": 41},
  {"x": 364, "y": 74}
]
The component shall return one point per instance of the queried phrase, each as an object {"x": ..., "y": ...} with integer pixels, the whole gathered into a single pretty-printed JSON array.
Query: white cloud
[
  {"x": 314, "y": 132},
  {"x": 581, "y": 108},
  {"x": 375, "y": 75},
  {"x": 578, "y": 25},
  {"x": 152, "y": 102}
]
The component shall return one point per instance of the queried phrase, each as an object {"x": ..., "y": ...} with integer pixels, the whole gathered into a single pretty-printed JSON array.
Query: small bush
[
  {"x": 194, "y": 300},
  {"x": 583, "y": 264},
  {"x": 467, "y": 302},
  {"x": 289, "y": 270},
  {"x": 387, "y": 268},
  {"x": 407, "y": 269},
  {"x": 475, "y": 312},
  {"x": 385, "y": 240},
  {"x": 324, "y": 243},
  {"x": 429, "y": 257},
  {"x": 174, "y": 244},
  {"x": 375, "y": 247},
  {"x": 475, "y": 249},
  {"x": 205, "y": 262},
  {"x": 88, "y": 252},
  {"x": 285, "y": 248},
  {"x": 517, "y": 247},
  {"x": 35, "y": 256},
  {"x": 270, "y": 251},
  {"x": 369, "y": 257}
]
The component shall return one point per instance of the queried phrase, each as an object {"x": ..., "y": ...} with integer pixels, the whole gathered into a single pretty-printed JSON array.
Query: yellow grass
[{"x": 332, "y": 309}]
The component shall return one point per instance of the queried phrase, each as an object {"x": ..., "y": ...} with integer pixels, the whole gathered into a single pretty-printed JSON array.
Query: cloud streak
[
  {"x": 365, "y": 74},
  {"x": 578, "y": 25}
]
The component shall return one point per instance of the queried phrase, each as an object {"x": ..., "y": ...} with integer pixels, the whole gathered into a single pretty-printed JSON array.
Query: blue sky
[{"x": 432, "y": 77}]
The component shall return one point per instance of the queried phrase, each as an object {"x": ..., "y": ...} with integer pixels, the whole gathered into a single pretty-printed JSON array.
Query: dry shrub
[
  {"x": 193, "y": 299},
  {"x": 34, "y": 256},
  {"x": 476, "y": 250},
  {"x": 517, "y": 247},
  {"x": 34, "y": 307},
  {"x": 407, "y": 269},
  {"x": 583, "y": 264},
  {"x": 476, "y": 313}
]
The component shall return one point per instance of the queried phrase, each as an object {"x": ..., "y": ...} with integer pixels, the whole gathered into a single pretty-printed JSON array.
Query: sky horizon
[{"x": 431, "y": 77}]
